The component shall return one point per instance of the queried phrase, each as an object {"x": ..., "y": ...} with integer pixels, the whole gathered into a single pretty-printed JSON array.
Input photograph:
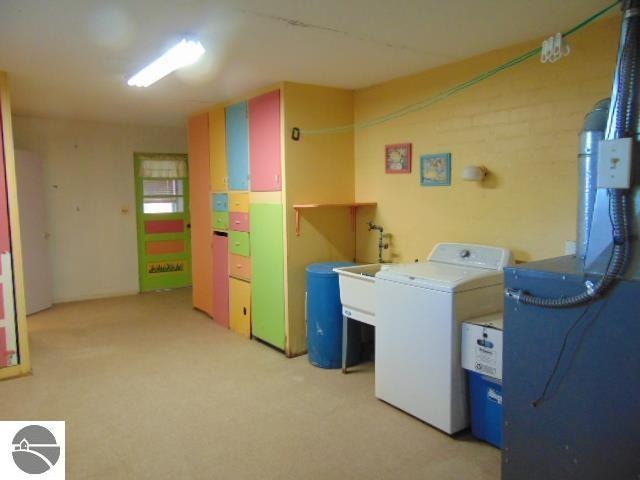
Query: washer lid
[{"x": 441, "y": 276}]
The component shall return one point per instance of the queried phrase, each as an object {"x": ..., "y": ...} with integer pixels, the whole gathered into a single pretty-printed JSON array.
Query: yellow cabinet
[
  {"x": 240, "y": 307},
  {"x": 217, "y": 150},
  {"x": 238, "y": 202}
]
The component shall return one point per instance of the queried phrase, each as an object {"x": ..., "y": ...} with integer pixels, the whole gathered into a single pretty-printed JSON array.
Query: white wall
[{"x": 88, "y": 170}]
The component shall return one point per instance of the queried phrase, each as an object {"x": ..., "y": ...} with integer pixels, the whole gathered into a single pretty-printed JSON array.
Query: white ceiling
[{"x": 70, "y": 58}]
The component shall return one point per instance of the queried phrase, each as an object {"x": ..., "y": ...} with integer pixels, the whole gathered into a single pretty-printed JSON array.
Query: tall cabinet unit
[
  {"x": 14, "y": 346},
  {"x": 265, "y": 174},
  {"x": 201, "y": 255},
  {"x": 219, "y": 214},
  {"x": 240, "y": 263}
]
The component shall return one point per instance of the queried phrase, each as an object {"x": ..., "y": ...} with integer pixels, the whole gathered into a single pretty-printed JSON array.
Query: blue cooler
[
  {"x": 482, "y": 357},
  {"x": 324, "y": 318}
]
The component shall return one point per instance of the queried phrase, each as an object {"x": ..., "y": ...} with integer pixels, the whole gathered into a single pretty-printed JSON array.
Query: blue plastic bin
[
  {"x": 486, "y": 408},
  {"x": 324, "y": 318}
]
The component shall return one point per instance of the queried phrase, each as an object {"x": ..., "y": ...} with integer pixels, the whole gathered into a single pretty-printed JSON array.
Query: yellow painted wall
[
  {"x": 522, "y": 124},
  {"x": 24, "y": 367},
  {"x": 318, "y": 169}
]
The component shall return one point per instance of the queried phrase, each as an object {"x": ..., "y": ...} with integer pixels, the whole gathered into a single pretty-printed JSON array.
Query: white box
[
  {"x": 614, "y": 163},
  {"x": 482, "y": 345}
]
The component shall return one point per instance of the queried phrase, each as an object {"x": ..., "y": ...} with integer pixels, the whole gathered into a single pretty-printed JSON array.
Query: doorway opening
[{"x": 162, "y": 212}]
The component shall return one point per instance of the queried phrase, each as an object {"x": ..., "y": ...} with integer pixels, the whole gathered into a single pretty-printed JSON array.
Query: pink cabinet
[
  {"x": 239, "y": 221},
  {"x": 264, "y": 142},
  {"x": 220, "y": 247}
]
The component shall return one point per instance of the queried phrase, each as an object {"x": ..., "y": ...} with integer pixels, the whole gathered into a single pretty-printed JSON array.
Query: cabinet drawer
[
  {"x": 220, "y": 202},
  {"x": 239, "y": 221},
  {"x": 221, "y": 220},
  {"x": 239, "y": 243},
  {"x": 240, "y": 267},
  {"x": 239, "y": 202}
]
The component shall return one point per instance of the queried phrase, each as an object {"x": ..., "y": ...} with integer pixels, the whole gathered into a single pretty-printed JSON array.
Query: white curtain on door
[{"x": 163, "y": 166}]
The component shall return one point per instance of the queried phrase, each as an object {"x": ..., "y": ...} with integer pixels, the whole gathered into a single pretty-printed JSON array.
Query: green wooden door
[
  {"x": 162, "y": 211},
  {"x": 267, "y": 273}
]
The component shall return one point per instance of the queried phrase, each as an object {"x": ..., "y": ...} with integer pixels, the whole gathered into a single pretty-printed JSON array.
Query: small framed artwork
[
  {"x": 435, "y": 170},
  {"x": 397, "y": 158}
]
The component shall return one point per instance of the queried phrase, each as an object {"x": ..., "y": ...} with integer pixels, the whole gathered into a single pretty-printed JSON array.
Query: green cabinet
[
  {"x": 220, "y": 220},
  {"x": 239, "y": 243},
  {"x": 267, "y": 284}
]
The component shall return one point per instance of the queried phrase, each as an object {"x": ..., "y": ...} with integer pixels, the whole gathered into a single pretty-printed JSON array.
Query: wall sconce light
[{"x": 474, "y": 173}]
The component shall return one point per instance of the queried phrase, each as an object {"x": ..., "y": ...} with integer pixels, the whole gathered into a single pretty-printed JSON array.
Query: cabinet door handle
[
  {"x": 238, "y": 266},
  {"x": 237, "y": 244},
  {"x": 244, "y": 310},
  {"x": 237, "y": 222}
]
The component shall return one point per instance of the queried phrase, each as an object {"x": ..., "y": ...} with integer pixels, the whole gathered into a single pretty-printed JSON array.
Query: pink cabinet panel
[
  {"x": 220, "y": 247},
  {"x": 4, "y": 353},
  {"x": 240, "y": 267},
  {"x": 5, "y": 241},
  {"x": 239, "y": 221},
  {"x": 264, "y": 142}
]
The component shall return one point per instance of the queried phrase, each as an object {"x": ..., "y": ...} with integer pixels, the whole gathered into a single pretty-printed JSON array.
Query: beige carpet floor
[{"x": 152, "y": 389}]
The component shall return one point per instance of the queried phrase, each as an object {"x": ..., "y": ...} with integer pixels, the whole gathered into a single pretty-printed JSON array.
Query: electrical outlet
[
  {"x": 569, "y": 247},
  {"x": 614, "y": 163}
]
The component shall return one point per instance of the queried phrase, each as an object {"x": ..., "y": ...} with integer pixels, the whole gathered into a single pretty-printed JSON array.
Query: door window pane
[
  {"x": 163, "y": 205},
  {"x": 162, "y": 187}
]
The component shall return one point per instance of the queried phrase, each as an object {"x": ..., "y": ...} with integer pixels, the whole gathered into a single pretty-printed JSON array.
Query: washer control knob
[{"x": 465, "y": 253}]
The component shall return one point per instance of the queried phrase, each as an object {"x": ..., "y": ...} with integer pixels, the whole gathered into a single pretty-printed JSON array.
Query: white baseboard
[{"x": 97, "y": 296}]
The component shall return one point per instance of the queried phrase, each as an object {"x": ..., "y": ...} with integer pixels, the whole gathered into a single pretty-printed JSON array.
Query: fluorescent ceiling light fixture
[{"x": 181, "y": 55}]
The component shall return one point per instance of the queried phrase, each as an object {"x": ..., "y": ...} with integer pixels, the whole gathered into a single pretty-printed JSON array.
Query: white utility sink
[{"x": 357, "y": 291}]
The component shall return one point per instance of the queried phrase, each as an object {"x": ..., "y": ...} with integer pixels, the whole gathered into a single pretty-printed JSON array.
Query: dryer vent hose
[{"x": 623, "y": 123}]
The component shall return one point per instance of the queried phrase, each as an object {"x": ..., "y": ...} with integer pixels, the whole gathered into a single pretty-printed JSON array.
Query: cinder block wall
[{"x": 522, "y": 125}]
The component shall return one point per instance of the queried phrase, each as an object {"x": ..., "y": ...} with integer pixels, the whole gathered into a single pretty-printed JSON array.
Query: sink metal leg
[{"x": 345, "y": 329}]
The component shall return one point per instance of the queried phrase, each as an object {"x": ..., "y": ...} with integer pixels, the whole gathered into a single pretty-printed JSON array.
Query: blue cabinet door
[{"x": 238, "y": 146}]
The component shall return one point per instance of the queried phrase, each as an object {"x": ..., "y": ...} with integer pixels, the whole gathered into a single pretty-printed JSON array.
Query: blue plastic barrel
[{"x": 324, "y": 318}]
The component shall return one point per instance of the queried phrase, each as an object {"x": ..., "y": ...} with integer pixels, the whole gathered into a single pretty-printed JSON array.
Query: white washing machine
[{"x": 419, "y": 309}]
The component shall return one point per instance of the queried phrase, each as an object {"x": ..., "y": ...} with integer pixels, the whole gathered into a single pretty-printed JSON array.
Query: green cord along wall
[{"x": 522, "y": 125}]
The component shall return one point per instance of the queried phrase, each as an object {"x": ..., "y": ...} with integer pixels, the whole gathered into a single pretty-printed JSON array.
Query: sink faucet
[{"x": 381, "y": 244}]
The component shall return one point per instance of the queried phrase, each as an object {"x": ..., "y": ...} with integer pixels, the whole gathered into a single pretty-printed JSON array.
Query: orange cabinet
[
  {"x": 239, "y": 202},
  {"x": 202, "y": 275},
  {"x": 240, "y": 267}
]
